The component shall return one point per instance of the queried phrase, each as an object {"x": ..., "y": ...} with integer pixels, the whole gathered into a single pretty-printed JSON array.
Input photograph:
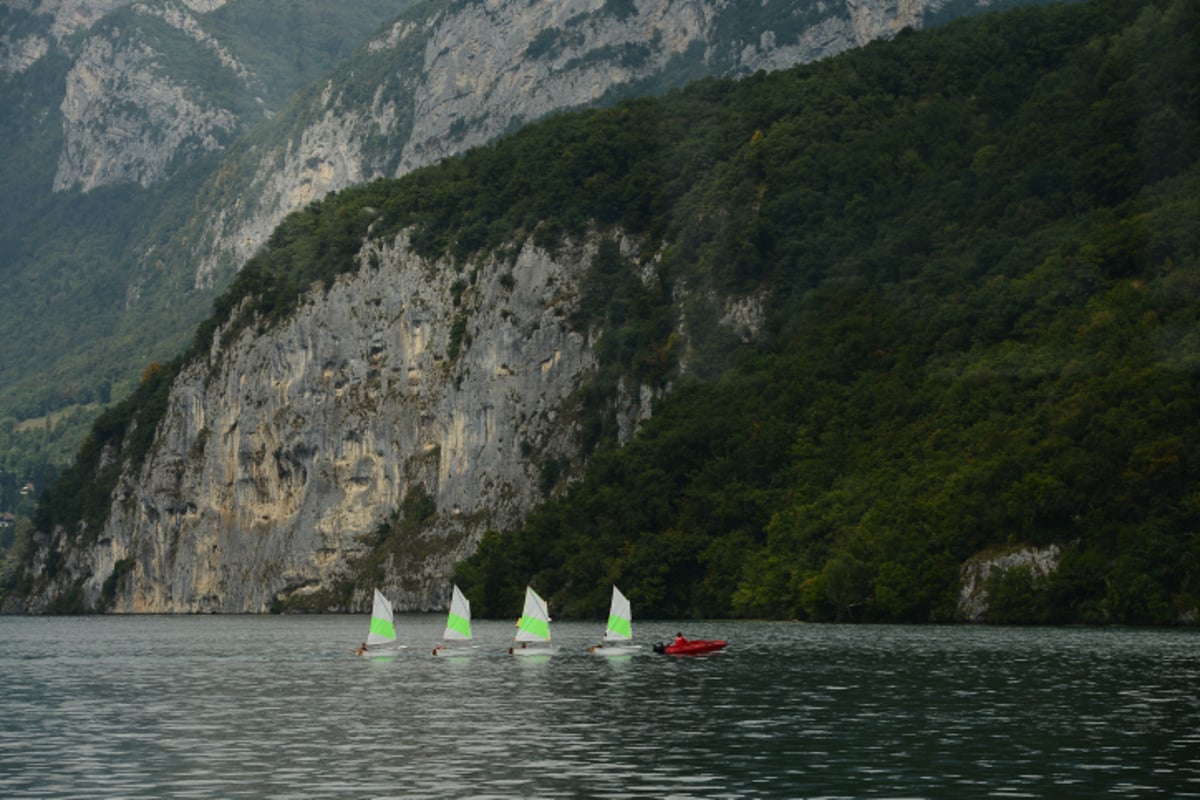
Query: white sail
[
  {"x": 534, "y": 624},
  {"x": 620, "y": 617},
  {"x": 458, "y": 621},
  {"x": 382, "y": 631},
  {"x": 618, "y": 633}
]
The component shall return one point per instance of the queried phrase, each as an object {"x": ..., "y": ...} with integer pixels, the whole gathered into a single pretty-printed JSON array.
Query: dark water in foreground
[{"x": 277, "y": 707}]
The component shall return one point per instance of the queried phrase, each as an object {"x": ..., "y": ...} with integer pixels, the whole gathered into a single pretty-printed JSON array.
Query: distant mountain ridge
[{"x": 154, "y": 84}]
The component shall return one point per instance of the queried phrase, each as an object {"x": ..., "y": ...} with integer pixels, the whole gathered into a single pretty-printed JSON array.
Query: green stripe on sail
[
  {"x": 383, "y": 627},
  {"x": 620, "y": 626},
  {"x": 538, "y": 627},
  {"x": 460, "y": 624}
]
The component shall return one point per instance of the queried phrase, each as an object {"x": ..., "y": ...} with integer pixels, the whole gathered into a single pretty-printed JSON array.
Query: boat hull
[
  {"x": 694, "y": 647},
  {"x": 614, "y": 649},
  {"x": 532, "y": 651},
  {"x": 380, "y": 651},
  {"x": 454, "y": 652}
]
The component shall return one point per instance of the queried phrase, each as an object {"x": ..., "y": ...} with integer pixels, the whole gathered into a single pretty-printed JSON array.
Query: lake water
[{"x": 278, "y": 707}]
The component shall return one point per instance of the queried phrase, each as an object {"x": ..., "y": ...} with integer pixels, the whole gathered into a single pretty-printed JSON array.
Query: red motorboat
[{"x": 690, "y": 647}]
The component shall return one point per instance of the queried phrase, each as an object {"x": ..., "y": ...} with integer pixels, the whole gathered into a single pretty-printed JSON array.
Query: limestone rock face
[
  {"x": 18, "y": 53},
  {"x": 67, "y": 17},
  {"x": 282, "y": 453},
  {"x": 975, "y": 572},
  {"x": 128, "y": 113},
  {"x": 125, "y": 120},
  {"x": 20, "y": 49}
]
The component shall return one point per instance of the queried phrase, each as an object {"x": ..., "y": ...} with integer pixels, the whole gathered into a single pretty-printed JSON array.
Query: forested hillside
[
  {"x": 151, "y": 147},
  {"x": 968, "y": 263},
  {"x": 980, "y": 246}
]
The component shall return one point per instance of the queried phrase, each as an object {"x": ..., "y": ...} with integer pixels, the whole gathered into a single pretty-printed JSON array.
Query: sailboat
[
  {"x": 533, "y": 628},
  {"x": 458, "y": 626},
  {"x": 381, "y": 636},
  {"x": 618, "y": 633}
]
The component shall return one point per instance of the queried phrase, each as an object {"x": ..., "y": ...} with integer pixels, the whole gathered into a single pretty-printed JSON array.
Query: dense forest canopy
[
  {"x": 981, "y": 248},
  {"x": 975, "y": 254}
]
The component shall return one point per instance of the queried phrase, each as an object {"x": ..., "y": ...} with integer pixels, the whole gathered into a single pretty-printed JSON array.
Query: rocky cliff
[
  {"x": 124, "y": 121},
  {"x": 150, "y": 85},
  {"x": 281, "y": 455},
  {"x": 126, "y": 115},
  {"x": 977, "y": 571},
  {"x": 56, "y": 20}
]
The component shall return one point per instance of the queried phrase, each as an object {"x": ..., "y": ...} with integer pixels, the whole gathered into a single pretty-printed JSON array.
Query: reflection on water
[{"x": 278, "y": 707}]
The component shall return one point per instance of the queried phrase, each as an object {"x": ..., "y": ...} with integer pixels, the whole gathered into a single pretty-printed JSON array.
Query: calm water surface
[{"x": 278, "y": 707}]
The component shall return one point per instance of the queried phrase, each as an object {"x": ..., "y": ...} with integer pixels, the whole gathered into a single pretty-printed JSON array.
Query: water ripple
[{"x": 278, "y": 708}]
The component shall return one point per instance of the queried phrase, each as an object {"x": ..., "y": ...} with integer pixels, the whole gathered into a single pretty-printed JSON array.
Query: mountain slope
[
  {"x": 177, "y": 140},
  {"x": 112, "y": 113},
  {"x": 448, "y": 77},
  {"x": 821, "y": 339},
  {"x": 981, "y": 349}
]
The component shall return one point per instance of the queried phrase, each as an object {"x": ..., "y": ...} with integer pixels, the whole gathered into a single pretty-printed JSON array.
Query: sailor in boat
[
  {"x": 680, "y": 639},
  {"x": 362, "y": 648}
]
